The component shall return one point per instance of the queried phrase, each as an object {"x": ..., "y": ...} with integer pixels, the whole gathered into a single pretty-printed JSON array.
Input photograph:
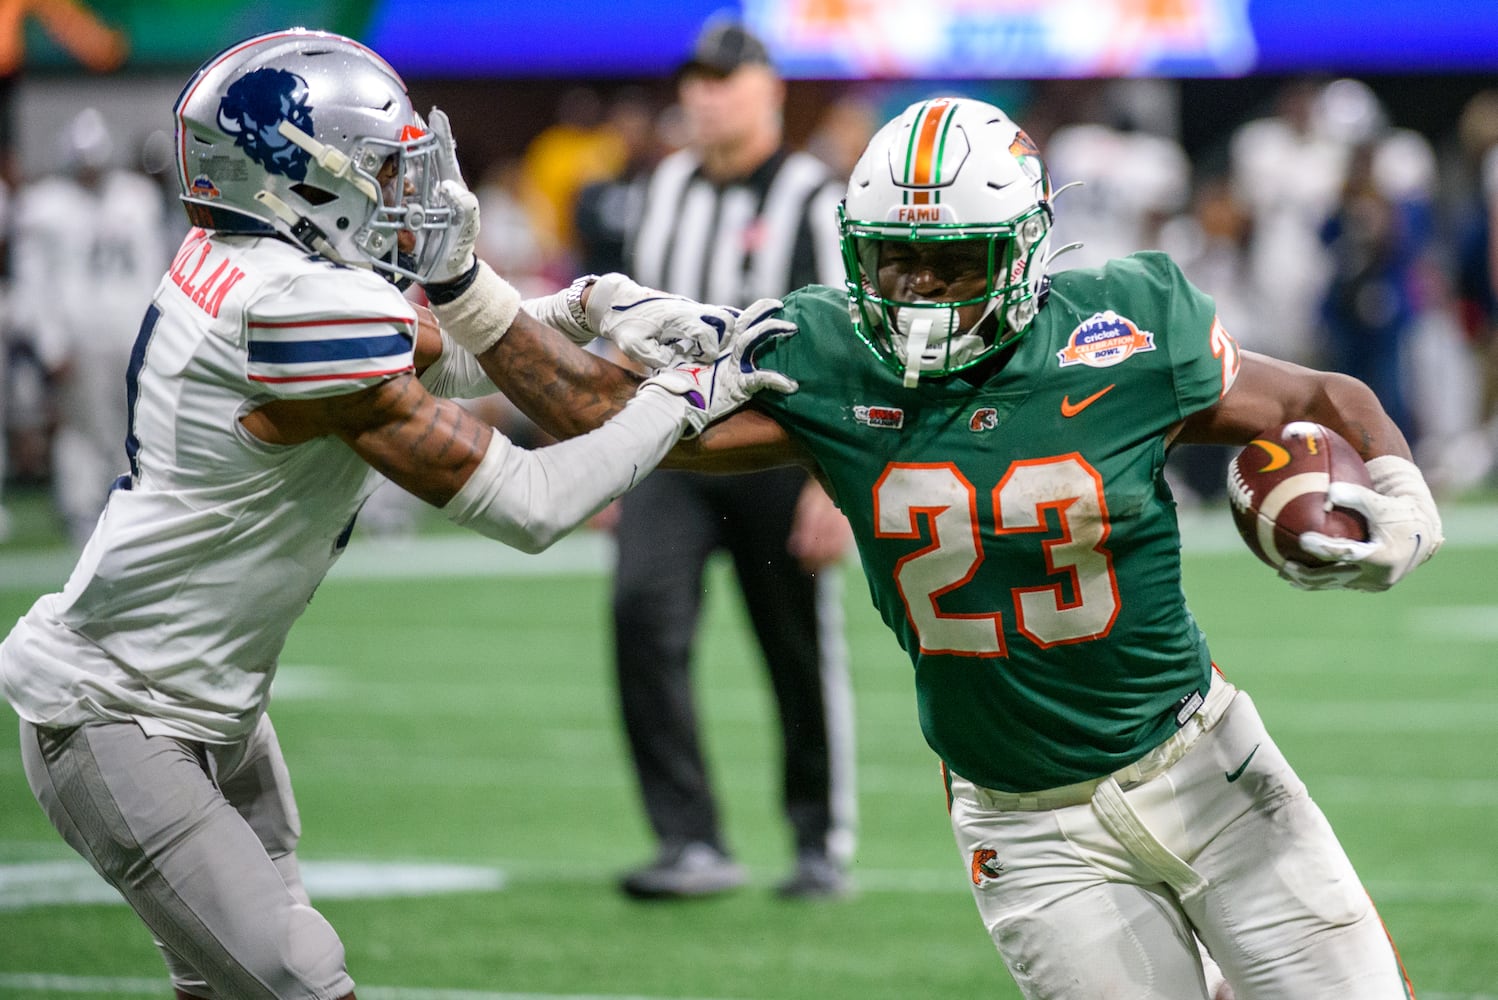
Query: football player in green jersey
[{"x": 996, "y": 436}]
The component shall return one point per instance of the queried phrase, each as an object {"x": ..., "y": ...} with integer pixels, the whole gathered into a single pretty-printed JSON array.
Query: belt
[{"x": 1219, "y": 695}]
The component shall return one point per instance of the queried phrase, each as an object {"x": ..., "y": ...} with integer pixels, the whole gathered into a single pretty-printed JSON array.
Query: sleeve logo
[{"x": 1103, "y": 340}]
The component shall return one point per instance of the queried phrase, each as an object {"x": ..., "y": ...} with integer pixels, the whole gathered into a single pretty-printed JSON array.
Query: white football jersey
[{"x": 209, "y": 551}]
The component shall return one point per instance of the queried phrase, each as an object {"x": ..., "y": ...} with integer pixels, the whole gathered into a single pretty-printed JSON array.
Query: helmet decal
[
  {"x": 1024, "y": 150},
  {"x": 927, "y": 145},
  {"x": 252, "y": 110}
]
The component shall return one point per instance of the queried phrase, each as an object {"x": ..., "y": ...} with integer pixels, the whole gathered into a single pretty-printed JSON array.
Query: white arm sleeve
[
  {"x": 557, "y": 311},
  {"x": 529, "y": 499},
  {"x": 456, "y": 374}
]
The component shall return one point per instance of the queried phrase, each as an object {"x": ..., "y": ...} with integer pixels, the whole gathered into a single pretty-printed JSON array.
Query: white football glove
[
  {"x": 1404, "y": 530},
  {"x": 456, "y": 256},
  {"x": 714, "y": 388},
  {"x": 655, "y": 328}
]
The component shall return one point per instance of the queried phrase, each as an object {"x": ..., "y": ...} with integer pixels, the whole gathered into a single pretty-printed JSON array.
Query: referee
[{"x": 732, "y": 218}]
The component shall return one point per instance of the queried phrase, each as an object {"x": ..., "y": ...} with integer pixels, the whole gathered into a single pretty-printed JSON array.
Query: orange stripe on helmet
[{"x": 925, "y": 159}]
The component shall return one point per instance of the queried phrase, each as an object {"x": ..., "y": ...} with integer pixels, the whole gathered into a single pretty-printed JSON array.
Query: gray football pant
[{"x": 201, "y": 840}]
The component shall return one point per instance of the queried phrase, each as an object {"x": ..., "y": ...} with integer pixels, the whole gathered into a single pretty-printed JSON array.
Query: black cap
[{"x": 722, "y": 47}]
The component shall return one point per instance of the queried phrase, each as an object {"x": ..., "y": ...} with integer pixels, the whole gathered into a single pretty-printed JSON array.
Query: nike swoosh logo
[
  {"x": 1070, "y": 409},
  {"x": 1416, "y": 555},
  {"x": 1233, "y": 776}
]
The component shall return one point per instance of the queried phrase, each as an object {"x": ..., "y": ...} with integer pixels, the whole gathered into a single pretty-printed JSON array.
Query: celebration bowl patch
[{"x": 1104, "y": 340}]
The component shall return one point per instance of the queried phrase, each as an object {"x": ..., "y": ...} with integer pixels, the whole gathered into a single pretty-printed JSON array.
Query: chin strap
[
  {"x": 334, "y": 161},
  {"x": 918, "y": 338},
  {"x": 303, "y": 229},
  {"x": 915, "y": 346}
]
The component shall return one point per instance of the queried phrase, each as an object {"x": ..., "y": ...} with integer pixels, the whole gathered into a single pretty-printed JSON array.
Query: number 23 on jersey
[{"x": 1079, "y": 601}]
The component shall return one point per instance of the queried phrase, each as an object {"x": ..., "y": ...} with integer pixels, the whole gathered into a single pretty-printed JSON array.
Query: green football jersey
[{"x": 1015, "y": 528}]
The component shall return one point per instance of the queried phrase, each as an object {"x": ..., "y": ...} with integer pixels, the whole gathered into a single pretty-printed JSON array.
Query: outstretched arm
[
  {"x": 436, "y": 450},
  {"x": 568, "y": 391}
]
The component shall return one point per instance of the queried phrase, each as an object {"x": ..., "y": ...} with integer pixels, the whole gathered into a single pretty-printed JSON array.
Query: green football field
[{"x": 446, "y": 707}]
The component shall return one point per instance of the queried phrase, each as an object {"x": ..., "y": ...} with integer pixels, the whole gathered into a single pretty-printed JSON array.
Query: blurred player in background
[
  {"x": 89, "y": 247},
  {"x": 277, "y": 370},
  {"x": 996, "y": 436}
]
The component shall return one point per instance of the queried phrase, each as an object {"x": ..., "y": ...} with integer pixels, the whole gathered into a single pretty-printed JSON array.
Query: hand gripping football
[{"x": 1277, "y": 490}]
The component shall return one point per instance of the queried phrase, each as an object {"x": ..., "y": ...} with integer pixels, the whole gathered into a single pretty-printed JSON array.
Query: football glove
[
  {"x": 716, "y": 387},
  {"x": 654, "y": 328},
  {"x": 456, "y": 258},
  {"x": 1404, "y": 530}
]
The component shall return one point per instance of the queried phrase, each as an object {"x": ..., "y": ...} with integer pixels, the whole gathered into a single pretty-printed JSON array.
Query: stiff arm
[{"x": 568, "y": 391}]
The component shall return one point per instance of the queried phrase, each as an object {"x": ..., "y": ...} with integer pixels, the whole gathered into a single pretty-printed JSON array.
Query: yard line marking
[
  {"x": 1464, "y": 622},
  {"x": 72, "y": 882},
  {"x": 41, "y": 982}
]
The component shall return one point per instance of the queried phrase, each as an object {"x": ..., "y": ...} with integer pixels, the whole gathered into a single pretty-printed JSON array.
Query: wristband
[
  {"x": 479, "y": 316},
  {"x": 441, "y": 293}
]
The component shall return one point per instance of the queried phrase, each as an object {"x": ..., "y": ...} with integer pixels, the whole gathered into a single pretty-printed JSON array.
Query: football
[{"x": 1277, "y": 489}]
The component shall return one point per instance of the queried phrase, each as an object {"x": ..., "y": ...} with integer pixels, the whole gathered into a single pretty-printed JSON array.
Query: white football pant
[{"x": 1212, "y": 835}]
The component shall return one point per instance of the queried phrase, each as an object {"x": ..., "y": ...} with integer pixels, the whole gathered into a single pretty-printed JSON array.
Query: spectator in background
[
  {"x": 1210, "y": 243},
  {"x": 508, "y": 240},
  {"x": 565, "y": 157},
  {"x": 1477, "y": 264},
  {"x": 1287, "y": 170},
  {"x": 1130, "y": 181},
  {"x": 734, "y": 217},
  {"x": 1378, "y": 239},
  {"x": 608, "y": 209},
  {"x": 842, "y": 132},
  {"x": 5, "y": 385},
  {"x": 89, "y": 249}
]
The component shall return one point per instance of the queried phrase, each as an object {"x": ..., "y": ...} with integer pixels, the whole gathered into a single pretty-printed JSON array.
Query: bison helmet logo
[{"x": 252, "y": 111}]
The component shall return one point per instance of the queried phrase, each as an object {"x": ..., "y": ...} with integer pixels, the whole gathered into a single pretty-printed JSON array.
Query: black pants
[{"x": 669, "y": 525}]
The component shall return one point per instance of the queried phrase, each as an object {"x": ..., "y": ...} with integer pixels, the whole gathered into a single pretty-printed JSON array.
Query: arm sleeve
[
  {"x": 456, "y": 374},
  {"x": 529, "y": 499}
]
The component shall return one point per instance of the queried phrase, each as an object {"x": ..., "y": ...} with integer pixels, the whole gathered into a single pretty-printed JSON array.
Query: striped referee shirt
[{"x": 759, "y": 236}]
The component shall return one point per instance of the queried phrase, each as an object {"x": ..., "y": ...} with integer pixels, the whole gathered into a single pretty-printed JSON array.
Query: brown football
[{"x": 1277, "y": 489}]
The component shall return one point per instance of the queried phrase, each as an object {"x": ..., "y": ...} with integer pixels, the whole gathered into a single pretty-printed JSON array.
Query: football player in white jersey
[
  {"x": 89, "y": 246},
  {"x": 277, "y": 369}
]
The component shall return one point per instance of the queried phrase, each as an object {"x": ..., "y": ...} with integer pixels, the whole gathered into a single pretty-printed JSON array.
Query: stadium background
[{"x": 446, "y": 706}]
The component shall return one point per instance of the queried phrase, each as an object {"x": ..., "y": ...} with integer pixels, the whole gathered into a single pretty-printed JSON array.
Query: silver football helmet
[
  {"x": 946, "y": 170},
  {"x": 312, "y": 136}
]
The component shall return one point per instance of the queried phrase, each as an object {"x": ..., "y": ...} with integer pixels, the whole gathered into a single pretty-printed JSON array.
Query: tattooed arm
[
  {"x": 428, "y": 446},
  {"x": 567, "y": 391},
  {"x": 563, "y": 388}
]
